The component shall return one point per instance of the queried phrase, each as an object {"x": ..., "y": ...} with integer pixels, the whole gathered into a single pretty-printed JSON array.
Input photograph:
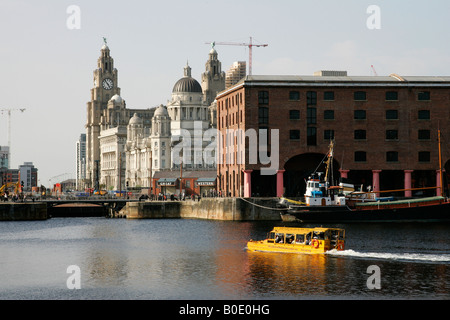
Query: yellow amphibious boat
[{"x": 300, "y": 240}]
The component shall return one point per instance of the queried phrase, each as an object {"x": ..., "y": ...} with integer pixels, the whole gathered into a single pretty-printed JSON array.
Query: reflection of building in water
[
  {"x": 232, "y": 267},
  {"x": 106, "y": 268},
  {"x": 300, "y": 274}
]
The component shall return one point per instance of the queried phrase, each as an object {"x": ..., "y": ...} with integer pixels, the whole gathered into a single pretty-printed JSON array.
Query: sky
[{"x": 48, "y": 52}]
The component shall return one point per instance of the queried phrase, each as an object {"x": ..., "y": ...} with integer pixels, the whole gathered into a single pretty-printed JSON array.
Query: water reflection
[
  {"x": 195, "y": 259},
  {"x": 293, "y": 274}
]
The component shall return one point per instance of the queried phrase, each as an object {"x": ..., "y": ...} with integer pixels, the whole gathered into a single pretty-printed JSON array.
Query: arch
[
  {"x": 446, "y": 177},
  {"x": 299, "y": 167}
]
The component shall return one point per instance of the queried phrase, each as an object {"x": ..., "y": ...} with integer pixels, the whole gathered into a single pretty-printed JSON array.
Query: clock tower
[{"x": 105, "y": 87}]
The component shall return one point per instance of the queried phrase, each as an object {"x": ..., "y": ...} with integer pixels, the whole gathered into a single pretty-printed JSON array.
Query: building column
[
  {"x": 247, "y": 183},
  {"x": 344, "y": 173},
  {"x": 376, "y": 181},
  {"x": 280, "y": 184},
  {"x": 438, "y": 183},
  {"x": 408, "y": 193}
]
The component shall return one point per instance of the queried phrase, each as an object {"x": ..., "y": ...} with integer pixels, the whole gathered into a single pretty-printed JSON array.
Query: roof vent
[{"x": 330, "y": 73}]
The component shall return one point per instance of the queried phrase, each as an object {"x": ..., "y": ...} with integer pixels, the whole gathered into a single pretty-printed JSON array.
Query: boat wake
[{"x": 405, "y": 257}]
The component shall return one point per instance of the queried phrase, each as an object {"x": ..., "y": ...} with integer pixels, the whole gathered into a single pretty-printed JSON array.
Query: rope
[{"x": 257, "y": 205}]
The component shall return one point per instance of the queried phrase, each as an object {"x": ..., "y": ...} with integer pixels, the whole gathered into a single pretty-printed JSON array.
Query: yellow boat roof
[{"x": 300, "y": 230}]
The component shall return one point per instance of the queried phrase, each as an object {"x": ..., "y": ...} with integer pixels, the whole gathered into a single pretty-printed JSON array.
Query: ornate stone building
[
  {"x": 105, "y": 87},
  {"x": 126, "y": 147}
]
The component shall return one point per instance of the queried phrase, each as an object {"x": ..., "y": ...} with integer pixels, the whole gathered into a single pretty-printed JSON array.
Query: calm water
[{"x": 197, "y": 259}]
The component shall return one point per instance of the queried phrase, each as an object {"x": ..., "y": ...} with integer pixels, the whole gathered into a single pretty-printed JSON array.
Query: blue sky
[{"x": 47, "y": 68}]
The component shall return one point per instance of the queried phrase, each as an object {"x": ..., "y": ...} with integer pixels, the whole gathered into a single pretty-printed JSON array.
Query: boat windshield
[
  {"x": 319, "y": 235},
  {"x": 337, "y": 234}
]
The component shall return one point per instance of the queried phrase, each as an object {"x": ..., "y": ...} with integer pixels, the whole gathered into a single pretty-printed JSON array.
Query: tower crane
[
  {"x": 9, "y": 127},
  {"x": 55, "y": 178},
  {"x": 249, "y": 45},
  {"x": 374, "y": 72}
]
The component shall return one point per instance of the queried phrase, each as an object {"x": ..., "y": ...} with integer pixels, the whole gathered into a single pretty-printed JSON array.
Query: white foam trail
[{"x": 422, "y": 257}]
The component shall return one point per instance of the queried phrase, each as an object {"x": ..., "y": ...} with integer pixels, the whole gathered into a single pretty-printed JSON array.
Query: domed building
[
  {"x": 190, "y": 118},
  {"x": 138, "y": 145}
]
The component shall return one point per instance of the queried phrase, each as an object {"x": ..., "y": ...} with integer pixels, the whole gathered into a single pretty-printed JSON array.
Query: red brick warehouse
[{"x": 385, "y": 130}]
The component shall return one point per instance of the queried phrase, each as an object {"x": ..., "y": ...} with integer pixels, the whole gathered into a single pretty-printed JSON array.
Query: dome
[
  {"x": 187, "y": 84},
  {"x": 136, "y": 120},
  {"x": 161, "y": 111},
  {"x": 116, "y": 99}
]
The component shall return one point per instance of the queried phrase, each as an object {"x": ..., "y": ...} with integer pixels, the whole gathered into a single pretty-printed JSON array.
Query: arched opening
[
  {"x": 263, "y": 185},
  {"x": 424, "y": 179},
  {"x": 446, "y": 178},
  {"x": 298, "y": 168}
]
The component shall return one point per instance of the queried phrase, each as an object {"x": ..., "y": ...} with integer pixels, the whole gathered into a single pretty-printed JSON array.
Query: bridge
[{"x": 96, "y": 207}]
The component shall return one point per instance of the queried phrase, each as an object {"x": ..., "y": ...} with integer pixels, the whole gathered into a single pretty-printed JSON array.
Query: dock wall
[
  {"x": 23, "y": 211},
  {"x": 236, "y": 209}
]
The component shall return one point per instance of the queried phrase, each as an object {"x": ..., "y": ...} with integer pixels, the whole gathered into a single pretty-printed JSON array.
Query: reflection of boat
[
  {"x": 300, "y": 240},
  {"x": 326, "y": 203}
]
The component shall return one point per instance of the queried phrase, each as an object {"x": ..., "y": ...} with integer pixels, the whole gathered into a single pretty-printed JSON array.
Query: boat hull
[
  {"x": 384, "y": 212},
  {"x": 289, "y": 248}
]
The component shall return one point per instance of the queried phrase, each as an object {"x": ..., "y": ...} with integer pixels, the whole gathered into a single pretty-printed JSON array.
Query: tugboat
[
  {"x": 341, "y": 204},
  {"x": 300, "y": 240}
]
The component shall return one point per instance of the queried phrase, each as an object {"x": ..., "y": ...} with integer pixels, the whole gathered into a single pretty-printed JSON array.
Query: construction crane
[
  {"x": 9, "y": 128},
  {"x": 374, "y": 72},
  {"x": 59, "y": 175},
  {"x": 249, "y": 45}
]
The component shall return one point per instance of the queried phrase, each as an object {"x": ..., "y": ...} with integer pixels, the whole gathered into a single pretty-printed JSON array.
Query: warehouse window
[
  {"x": 360, "y": 96},
  {"x": 423, "y": 96},
  {"x": 328, "y": 114},
  {"x": 311, "y": 98},
  {"x": 360, "y": 134},
  {"x": 360, "y": 156},
  {"x": 263, "y": 115},
  {"x": 263, "y": 97},
  {"x": 424, "y": 135},
  {"x": 424, "y": 114},
  {"x": 311, "y": 115},
  {"x": 360, "y": 114},
  {"x": 328, "y": 135},
  {"x": 294, "y": 114},
  {"x": 392, "y": 156},
  {"x": 391, "y": 134},
  {"x": 294, "y": 134},
  {"x": 294, "y": 95},
  {"x": 424, "y": 156},
  {"x": 328, "y": 95},
  {"x": 311, "y": 138},
  {"x": 391, "y": 96},
  {"x": 391, "y": 114}
]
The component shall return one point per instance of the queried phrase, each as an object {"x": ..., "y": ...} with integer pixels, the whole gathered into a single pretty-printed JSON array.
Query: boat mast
[{"x": 329, "y": 160}]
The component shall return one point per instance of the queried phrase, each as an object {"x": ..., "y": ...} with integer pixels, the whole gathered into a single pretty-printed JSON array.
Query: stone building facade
[{"x": 126, "y": 147}]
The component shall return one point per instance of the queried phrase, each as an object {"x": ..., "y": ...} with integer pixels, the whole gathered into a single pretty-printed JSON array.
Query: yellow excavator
[{"x": 5, "y": 187}]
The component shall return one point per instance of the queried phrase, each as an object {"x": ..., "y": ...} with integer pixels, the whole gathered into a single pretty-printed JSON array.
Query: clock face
[{"x": 108, "y": 84}]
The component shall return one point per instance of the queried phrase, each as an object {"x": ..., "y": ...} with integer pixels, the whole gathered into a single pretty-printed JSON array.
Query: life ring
[
  {"x": 340, "y": 246},
  {"x": 315, "y": 243}
]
